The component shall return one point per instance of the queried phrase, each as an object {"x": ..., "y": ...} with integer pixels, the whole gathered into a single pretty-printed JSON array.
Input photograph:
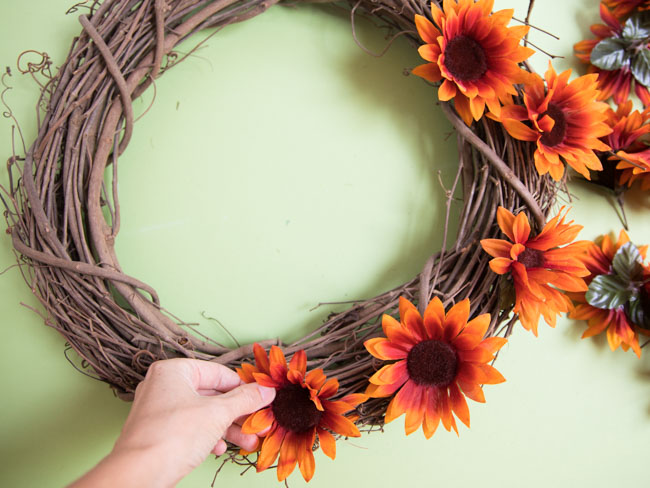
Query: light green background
[{"x": 281, "y": 166}]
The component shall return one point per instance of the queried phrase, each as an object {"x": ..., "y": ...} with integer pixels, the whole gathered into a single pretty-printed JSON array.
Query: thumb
[{"x": 243, "y": 400}]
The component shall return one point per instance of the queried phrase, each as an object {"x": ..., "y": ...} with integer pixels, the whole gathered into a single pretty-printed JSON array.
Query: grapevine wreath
[{"x": 420, "y": 348}]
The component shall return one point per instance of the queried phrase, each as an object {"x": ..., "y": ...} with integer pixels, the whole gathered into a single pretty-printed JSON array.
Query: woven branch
[{"x": 58, "y": 196}]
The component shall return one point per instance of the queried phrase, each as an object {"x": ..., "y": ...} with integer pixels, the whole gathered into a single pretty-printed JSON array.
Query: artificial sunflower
[
  {"x": 628, "y": 128},
  {"x": 629, "y": 144},
  {"x": 614, "y": 83},
  {"x": 622, "y": 8},
  {"x": 563, "y": 119},
  {"x": 621, "y": 331},
  {"x": 302, "y": 408},
  {"x": 439, "y": 360},
  {"x": 474, "y": 53},
  {"x": 635, "y": 167},
  {"x": 538, "y": 265},
  {"x": 630, "y": 160}
]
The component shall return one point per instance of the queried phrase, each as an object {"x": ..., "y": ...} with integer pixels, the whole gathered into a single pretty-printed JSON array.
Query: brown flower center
[
  {"x": 465, "y": 58},
  {"x": 556, "y": 136},
  {"x": 294, "y": 410},
  {"x": 432, "y": 363},
  {"x": 531, "y": 258}
]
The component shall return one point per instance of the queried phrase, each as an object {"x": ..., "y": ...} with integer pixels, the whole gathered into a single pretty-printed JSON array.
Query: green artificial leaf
[
  {"x": 609, "y": 54},
  {"x": 635, "y": 311},
  {"x": 628, "y": 263},
  {"x": 637, "y": 27},
  {"x": 640, "y": 67},
  {"x": 608, "y": 292},
  {"x": 638, "y": 309}
]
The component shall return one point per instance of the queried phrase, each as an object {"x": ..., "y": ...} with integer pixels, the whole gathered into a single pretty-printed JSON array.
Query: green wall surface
[{"x": 281, "y": 166}]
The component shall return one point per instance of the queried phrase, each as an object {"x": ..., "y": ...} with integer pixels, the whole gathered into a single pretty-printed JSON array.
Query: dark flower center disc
[
  {"x": 294, "y": 410},
  {"x": 465, "y": 58},
  {"x": 556, "y": 136},
  {"x": 432, "y": 363},
  {"x": 531, "y": 258}
]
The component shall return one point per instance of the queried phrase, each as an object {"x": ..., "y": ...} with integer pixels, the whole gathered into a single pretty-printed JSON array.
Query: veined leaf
[
  {"x": 637, "y": 27},
  {"x": 628, "y": 263},
  {"x": 608, "y": 292},
  {"x": 638, "y": 309},
  {"x": 635, "y": 313},
  {"x": 609, "y": 54},
  {"x": 640, "y": 67}
]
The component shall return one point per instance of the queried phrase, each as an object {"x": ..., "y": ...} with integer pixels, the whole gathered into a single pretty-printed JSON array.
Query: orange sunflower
[
  {"x": 621, "y": 8},
  {"x": 615, "y": 83},
  {"x": 635, "y": 167},
  {"x": 439, "y": 360},
  {"x": 539, "y": 266},
  {"x": 620, "y": 330},
  {"x": 565, "y": 121},
  {"x": 474, "y": 54},
  {"x": 301, "y": 409},
  {"x": 628, "y": 143}
]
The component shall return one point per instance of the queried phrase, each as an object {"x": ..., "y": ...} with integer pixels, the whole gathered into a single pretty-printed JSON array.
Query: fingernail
[{"x": 266, "y": 393}]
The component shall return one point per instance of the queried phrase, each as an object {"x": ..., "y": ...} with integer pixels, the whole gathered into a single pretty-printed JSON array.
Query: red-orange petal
[
  {"x": 340, "y": 425},
  {"x": 456, "y": 319},
  {"x": 381, "y": 391},
  {"x": 329, "y": 388},
  {"x": 447, "y": 90},
  {"x": 478, "y": 326},
  {"x": 412, "y": 322},
  {"x": 396, "y": 333},
  {"x": 315, "y": 379},
  {"x": 270, "y": 448},
  {"x": 338, "y": 407},
  {"x": 492, "y": 376},
  {"x": 472, "y": 390},
  {"x": 265, "y": 380},
  {"x": 295, "y": 377},
  {"x": 288, "y": 456},
  {"x": 390, "y": 374},
  {"x": 520, "y": 131},
  {"x": 521, "y": 228},
  {"x": 404, "y": 305},
  {"x": 246, "y": 372},
  {"x": 354, "y": 399},
  {"x": 277, "y": 356},
  {"x": 415, "y": 411},
  {"x": 261, "y": 359},
  {"x": 445, "y": 411},
  {"x": 401, "y": 401},
  {"x": 434, "y": 318},
  {"x": 306, "y": 461},
  {"x": 458, "y": 404},
  {"x": 478, "y": 355},
  {"x": 384, "y": 349},
  {"x": 299, "y": 362},
  {"x": 258, "y": 421},
  {"x": 327, "y": 443},
  {"x": 278, "y": 364},
  {"x": 427, "y": 31},
  {"x": 431, "y": 413},
  {"x": 497, "y": 248},
  {"x": 506, "y": 219},
  {"x": 500, "y": 265},
  {"x": 493, "y": 344},
  {"x": 428, "y": 71}
]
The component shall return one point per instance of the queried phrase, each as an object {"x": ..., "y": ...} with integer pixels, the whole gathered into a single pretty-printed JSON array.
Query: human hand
[{"x": 182, "y": 411}]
